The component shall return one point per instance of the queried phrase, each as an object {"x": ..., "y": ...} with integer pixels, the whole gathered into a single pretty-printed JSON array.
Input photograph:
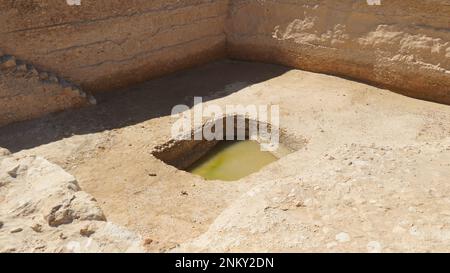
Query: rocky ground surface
[
  {"x": 43, "y": 210},
  {"x": 363, "y": 199},
  {"x": 372, "y": 173}
]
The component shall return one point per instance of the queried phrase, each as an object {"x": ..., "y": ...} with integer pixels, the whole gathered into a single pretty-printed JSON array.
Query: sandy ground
[{"x": 372, "y": 176}]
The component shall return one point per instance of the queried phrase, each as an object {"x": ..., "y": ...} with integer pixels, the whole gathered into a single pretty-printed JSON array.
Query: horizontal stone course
[{"x": 102, "y": 45}]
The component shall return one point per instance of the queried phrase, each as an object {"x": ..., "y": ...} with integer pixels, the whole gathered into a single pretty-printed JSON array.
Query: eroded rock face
[
  {"x": 112, "y": 43},
  {"x": 26, "y": 92},
  {"x": 102, "y": 45},
  {"x": 98, "y": 46},
  {"x": 399, "y": 43},
  {"x": 43, "y": 210},
  {"x": 402, "y": 44}
]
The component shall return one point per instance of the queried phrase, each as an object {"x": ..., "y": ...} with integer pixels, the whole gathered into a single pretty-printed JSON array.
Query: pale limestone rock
[
  {"x": 374, "y": 247},
  {"x": 43, "y": 210},
  {"x": 4, "y": 152},
  {"x": 343, "y": 237}
]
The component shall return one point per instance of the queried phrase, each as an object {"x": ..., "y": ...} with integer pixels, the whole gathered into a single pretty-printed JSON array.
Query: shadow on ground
[{"x": 139, "y": 103}]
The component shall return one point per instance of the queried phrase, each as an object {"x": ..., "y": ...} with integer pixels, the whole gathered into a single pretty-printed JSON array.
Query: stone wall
[
  {"x": 27, "y": 92},
  {"x": 102, "y": 45},
  {"x": 106, "y": 44},
  {"x": 400, "y": 44}
]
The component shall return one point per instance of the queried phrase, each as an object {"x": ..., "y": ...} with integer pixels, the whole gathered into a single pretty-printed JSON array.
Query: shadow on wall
[{"x": 133, "y": 105}]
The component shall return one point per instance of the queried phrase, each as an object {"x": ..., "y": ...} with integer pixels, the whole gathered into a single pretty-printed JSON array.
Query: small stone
[
  {"x": 39, "y": 247},
  {"x": 53, "y": 78},
  {"x": 374, "y": 247},
  {"x": 67, "y": 89},
  {"x": 152, "y": 174},
  {"x": 87, "y": 231},
  {"x": 21, "y": 67},
  {"x": 148, "y": 241},
  {"x": 76, "y": 90},
  {"x": 1, "y": 224},
  {"x": 7, "y": 61},
  {"x": 17, "y": 230},
  {"x": 331, "y": 245},
  {"x": 414, "y": 231},
  {"x": 37, "y": 228},
  {"x": 13, "y": 171},
  {"x": 43, "y": 76},
  {"x": 92, "y": 100},
  {"x": 59, "y": 216},
  {"x": 184, "y": 193},
  {"x": 343, "y": 237},
  {"x": 31, "y": 70},
  {"x": 62, "y": 236},
  {"x": 4, "y": 152}
]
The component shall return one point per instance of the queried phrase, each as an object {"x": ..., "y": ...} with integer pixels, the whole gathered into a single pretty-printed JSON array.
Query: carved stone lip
[{"x": 182, "y": 154}]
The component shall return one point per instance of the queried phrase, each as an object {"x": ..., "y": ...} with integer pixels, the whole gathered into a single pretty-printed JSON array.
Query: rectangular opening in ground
[{"x": 228, "y": 160}]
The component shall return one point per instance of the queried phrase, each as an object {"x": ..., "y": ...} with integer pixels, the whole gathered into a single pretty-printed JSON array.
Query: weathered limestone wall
[
  {"x": 24, "y": 95},
  {"x": 401, "y": 44},
  {"x": 108, "y": 44},
  {"x": 43, "y": 209},
  {"x": 104, "y": 44},
  {"x": 99, "y": 45}
]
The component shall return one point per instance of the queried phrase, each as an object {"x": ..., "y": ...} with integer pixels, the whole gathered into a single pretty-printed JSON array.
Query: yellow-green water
[{"x": 230, "y": 161}]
